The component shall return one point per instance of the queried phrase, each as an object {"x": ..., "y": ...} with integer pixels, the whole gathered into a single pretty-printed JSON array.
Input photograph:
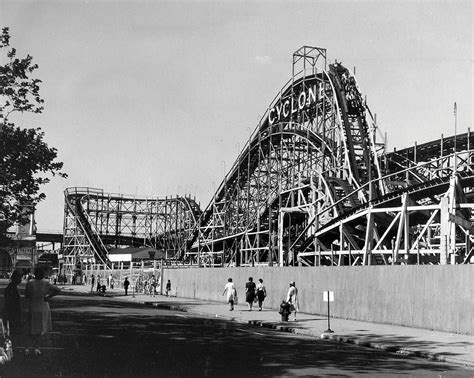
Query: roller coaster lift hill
[{"x": 312, "y": 186}]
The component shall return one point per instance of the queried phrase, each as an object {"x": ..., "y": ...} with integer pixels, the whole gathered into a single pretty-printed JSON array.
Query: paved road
[{"x": 108, "y": 337}]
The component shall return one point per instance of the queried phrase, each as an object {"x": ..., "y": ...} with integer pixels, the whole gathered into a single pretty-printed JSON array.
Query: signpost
[{"x": 328, "y": 296}]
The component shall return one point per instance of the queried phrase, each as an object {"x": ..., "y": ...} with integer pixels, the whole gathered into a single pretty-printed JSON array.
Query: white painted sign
[
  {"x": 328, "y": 296},
  {"x": 287, "y": 107}
]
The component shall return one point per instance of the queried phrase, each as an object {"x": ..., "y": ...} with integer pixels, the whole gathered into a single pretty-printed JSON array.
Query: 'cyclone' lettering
[{"x": 285, "y": 108}]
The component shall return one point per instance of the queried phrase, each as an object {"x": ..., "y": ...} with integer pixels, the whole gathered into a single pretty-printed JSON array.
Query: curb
[
  {"x": 397, "y": 349},
  {"x": 390, "y": 348},
  {"x": 164, "y": 306}
]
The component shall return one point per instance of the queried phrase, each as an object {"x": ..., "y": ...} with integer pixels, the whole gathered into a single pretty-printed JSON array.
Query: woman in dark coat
[
  {"x": 250, "y": 292},
  {"x": 12, "y": 310}
]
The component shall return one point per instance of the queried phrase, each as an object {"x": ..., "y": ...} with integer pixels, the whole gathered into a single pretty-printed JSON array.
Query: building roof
[{"x": 134, "y": 253}]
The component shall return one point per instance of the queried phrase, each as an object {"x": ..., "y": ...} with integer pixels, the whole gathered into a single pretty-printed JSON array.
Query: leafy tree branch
[{"x": 27, "y": 162}]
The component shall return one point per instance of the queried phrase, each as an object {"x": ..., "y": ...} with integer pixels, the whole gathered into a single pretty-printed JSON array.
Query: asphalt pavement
[{"x": 424, "y": 343}]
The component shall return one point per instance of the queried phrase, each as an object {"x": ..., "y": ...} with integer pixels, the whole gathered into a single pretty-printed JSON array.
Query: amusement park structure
[{"x": 312, "y": 186}]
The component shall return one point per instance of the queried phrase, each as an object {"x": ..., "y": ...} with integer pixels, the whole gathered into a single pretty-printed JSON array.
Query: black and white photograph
[{"x": 218, "y": 188}]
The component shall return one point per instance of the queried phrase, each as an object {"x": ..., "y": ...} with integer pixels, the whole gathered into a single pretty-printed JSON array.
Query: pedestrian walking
[
  {"x": 250, "y": 292},
  {"x": 231, "y": 294},
  {"x": 126, "y": 284},
  {"x": 153, "y": 285},
  {"x": 39, "y": 292},
  {"x": 99, "y": 284},
  {"x": 168, "y": 288},
  {"x": 12, "y": 310},
  {"x": 292, "y": 298},
  {"x": 261, "y": 293},
  {"x": 92, "y": 283}
]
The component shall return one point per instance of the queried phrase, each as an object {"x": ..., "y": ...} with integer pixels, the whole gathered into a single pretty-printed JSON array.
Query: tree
[{"x": 27, "y": 161}]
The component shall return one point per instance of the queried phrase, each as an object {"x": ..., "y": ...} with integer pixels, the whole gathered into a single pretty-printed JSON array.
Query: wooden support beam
[
  {"x": 401, "y": 227},
  {"x": 368, "y": 239},
  {"x": 387, "y": 231},
  {"x": 445, "y": 228},
  {"x": 425, "y": 227}
]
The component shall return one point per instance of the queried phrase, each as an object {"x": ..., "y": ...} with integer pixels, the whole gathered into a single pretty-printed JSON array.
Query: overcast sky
[{"x": 154, "y": 98}]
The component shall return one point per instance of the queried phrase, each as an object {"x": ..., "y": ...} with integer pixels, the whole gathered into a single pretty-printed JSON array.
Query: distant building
[{"x": 20, "y": 250}]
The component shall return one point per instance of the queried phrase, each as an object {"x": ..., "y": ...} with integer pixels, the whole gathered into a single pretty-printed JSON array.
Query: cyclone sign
[{"x": 289, "y": 107}]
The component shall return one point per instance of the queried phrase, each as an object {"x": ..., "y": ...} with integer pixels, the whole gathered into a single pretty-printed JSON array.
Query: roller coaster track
[
  {"x": 312, "y": 186},
  {"x": 289, "y": 193},
  {"x": 96, "y": 222},
  {"x": 321, "y": 137}
]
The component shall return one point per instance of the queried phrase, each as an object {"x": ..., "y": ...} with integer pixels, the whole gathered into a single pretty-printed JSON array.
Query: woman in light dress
[
  {"x": 292, "y": 298},
  {"x": 231, "y": 293},
  {"x": 261, "y": 294},
  {"x": 38, "y": 293}
]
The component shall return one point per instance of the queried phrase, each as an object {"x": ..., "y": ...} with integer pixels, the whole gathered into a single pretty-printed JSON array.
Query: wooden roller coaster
[{"x": 312, "y": 186}]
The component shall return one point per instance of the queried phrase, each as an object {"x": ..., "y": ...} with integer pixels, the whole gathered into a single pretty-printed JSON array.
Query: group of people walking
[
  {"x": 38, "y": 292},
  {"x": 256, "y": 293},
  {"x": 100, "y": 284}
]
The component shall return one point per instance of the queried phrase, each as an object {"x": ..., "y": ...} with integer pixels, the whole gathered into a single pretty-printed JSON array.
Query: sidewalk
[{"x": 434, "y": 345}]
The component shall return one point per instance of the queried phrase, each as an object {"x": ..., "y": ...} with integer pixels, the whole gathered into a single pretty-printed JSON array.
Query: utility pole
[{"x": 455, "y": 137}]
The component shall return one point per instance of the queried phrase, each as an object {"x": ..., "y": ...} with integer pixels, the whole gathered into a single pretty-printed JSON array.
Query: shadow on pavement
[{"x": 103, "y": 337}]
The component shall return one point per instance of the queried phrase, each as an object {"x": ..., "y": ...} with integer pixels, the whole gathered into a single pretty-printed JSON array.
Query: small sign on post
[{"x": 328, "y": 296}]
